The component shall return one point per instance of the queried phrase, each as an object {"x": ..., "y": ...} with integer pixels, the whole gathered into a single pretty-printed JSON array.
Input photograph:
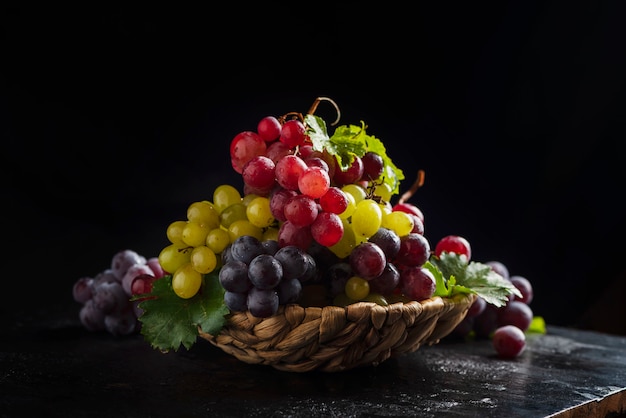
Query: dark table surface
[{"x": 50, "y": 366}]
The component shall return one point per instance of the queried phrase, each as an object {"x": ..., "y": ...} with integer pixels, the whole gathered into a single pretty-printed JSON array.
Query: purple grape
[
  {"x": 233, "y": 277},
  {"x": 310, "y": 272},
  {"x": 122, "y": 260},
  {"x": 82, "y": 289},
  {"x": 367, "y": 260},
  {"x": 91, "y": 317},
  {"x": 387, "y": 281},
  {"x": 265, "y": 272},
  {"x": 499, "y": 268},
  {"x": 236, "y": 301},
  {"x": 289, "y": 291},
  {"x": 293, "y": 260},
  {"x": 271, "y": 246},
  {"x": 121, "y": 322},
  {"x": 109, "y": 297},
  {"x": 515, "y": 313},
  {"x": 262, "y": 303},
  {"x": 336, "y": 276},
  {"x": 245, "y": 248},
  {"x": 477, "y": 307},
  {"x": 388, "y": 241}
]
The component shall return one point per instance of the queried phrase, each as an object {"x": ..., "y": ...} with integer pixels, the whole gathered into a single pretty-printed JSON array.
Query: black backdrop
[{"x": 115, "y": 119}]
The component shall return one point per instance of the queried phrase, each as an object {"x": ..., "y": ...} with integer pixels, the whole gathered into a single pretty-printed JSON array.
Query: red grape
[
  {"x": 293, "y": 133},
  {"x": 243, "y": 147},
  {"x": 327, "y": 229},
  {"x": 524, "y": 286},
  {"x": 454, "y": 244},
  {"x": 509, "y": 341},
  {"x": 418, "y": 283},
  {"x": 269, "y": 128}
]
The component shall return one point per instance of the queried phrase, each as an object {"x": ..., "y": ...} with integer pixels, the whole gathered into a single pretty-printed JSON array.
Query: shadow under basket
[{"x": 332, "y": 338}]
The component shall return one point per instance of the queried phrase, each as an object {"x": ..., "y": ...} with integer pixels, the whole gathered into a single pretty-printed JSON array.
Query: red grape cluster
[{"x": 278, "y": 161}]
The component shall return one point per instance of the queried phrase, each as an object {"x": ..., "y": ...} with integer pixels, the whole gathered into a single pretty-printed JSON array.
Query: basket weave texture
[{"x": 332, "y": 338}]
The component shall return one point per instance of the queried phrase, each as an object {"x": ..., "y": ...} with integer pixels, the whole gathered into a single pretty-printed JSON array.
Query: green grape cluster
[{"x": 196, "y": 243}]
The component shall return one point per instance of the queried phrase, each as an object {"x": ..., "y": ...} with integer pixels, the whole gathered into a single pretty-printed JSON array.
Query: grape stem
[
  {"x": 328, "y": 99},
  {"x": 419, "y": 182}
]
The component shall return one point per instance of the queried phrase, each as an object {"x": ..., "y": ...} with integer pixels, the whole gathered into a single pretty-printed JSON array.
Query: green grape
[
  {"x": 385, "y": 208},
  {"x": 186, "y": 281},
  {"x": 377, "y": 298},
  {"x": 234, "y": 212},
  {"x": 218, "y": 239},
  {"x": 342, "y": 300},
  {"x": 383, "y": 191},
  {"x": 172, "y": 257},
  {"x": 259, "y": 213},
  {"x": 344, "y": 247},
  {"x": 357, "y": 288},
  {"x": 270, "y": 233},
  {"x": 244, "y": 227},
  {"x": 194, "y": 233},
  {"x": 367, "y": 218},
  {"x": 358, "y": 192},
  {"x": 174, "y": 232},
  {"x": 249, "y": 198},
  {"x": 224, "y": 196},
  {"x": 399, "y": 222},
  {"x": 203, "y": 259},
  {"x": 203, "y": 212},
  {"x": 349, "y": 209}
]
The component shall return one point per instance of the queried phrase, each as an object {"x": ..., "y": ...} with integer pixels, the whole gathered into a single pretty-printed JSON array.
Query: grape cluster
[
  {"x": 356, "y": 245},
  {"x": 505, "y": 325},
  {"x": 106, "y": 297},
  {"x": 258, "y": 276},
  {"x": 371, "y": 249}
]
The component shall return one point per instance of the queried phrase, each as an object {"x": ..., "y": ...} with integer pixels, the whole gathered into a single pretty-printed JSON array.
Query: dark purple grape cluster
[
  {"x": 106, "y": 297},
  {"x": 259, "y": 276}
]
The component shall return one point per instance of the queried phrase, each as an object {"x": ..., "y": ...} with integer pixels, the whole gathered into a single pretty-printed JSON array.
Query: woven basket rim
[{"x": 333, "y": 338}]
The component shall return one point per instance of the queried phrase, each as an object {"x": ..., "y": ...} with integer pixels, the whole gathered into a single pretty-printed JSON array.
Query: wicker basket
[{"x": 333, "y": 339}]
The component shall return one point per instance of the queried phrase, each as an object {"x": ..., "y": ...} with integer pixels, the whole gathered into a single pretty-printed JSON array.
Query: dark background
[{"x": 115, "y": 119}]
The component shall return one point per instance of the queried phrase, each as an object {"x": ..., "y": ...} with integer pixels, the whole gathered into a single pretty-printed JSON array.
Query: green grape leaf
[
  {"x": 473, "y": 277},
  {"x": 348, "y": 141},
  {"x": 169, "y": 321}
]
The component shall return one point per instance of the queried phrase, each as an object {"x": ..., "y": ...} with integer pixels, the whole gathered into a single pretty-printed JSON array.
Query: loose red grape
[
  {"x": 509, "y": 341},
  {"x": 454, "y": 244}
]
